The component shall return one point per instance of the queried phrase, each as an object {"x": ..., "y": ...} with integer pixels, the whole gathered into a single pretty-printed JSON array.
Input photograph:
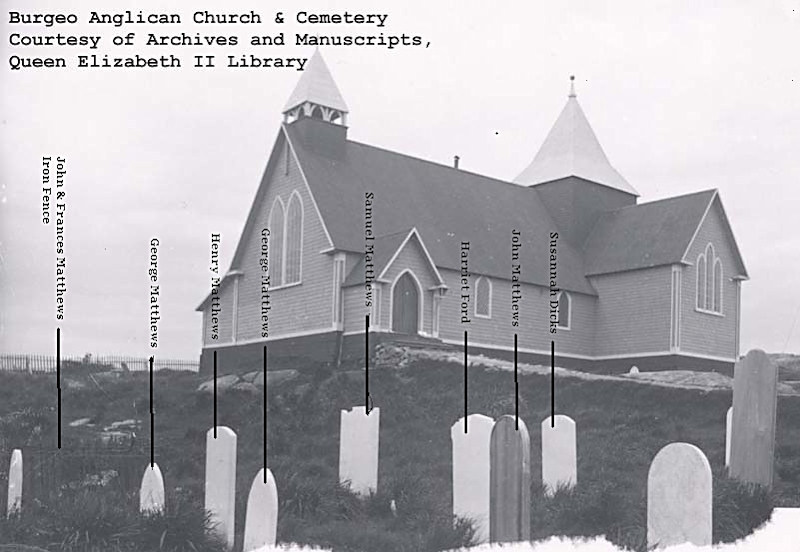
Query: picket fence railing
[
  {"x": 47, "y": 363},
  {"x": 491, "y": 470}
]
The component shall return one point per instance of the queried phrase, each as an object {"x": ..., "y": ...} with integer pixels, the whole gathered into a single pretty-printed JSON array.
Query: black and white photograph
[{"x": 401, "y": 276}]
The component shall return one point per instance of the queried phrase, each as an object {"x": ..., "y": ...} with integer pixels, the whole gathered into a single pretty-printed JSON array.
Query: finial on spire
[{"x": 572, "y": 93}]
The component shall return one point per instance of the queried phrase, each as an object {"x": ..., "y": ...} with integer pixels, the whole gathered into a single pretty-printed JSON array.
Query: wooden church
[{"x": 425, "y": 249}]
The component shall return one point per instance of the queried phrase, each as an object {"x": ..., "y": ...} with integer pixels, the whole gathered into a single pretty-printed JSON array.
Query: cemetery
[{"x": 643, "y": 465}]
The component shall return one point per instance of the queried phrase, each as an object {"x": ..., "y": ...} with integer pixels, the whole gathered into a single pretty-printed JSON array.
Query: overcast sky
[{"x": 683, "y": 96}]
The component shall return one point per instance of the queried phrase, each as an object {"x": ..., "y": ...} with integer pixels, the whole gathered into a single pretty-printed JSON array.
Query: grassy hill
[{"x": 620, "y": 427}]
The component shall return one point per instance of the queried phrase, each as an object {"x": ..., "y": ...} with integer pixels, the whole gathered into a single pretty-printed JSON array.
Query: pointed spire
[
  {"x": 316, "y": 86},
  {"x": 572, "y": 149}
]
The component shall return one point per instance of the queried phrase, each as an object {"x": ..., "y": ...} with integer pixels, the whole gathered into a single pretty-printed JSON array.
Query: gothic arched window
[
  {"x": 294, "y": 240},
  {"x": 275, "y": 225},
  {"x": 709, "y": 281},
  {"x": 564, "y": 310},
  {"x": 483, "y": 297}
]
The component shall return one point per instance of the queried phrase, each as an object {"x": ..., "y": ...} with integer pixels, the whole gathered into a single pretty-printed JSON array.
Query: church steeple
[
  {"x": 571, "y": 149},
  {"x": 316, "y": 95}
]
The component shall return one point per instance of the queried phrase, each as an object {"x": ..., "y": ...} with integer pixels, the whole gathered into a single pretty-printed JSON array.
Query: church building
[{"x": 566, "y": 253}]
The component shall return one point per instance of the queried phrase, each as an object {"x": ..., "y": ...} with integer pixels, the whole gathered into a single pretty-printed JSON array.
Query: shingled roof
[
  {"x": 445, "y": 204},
  {"x": 316, "y": 85},
  {"x": 645, "y": 235}
]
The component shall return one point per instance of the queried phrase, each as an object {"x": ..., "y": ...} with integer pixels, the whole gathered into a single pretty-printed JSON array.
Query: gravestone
[
  {"x": 151, "y": 492},
  {"x": 220, "y": 486},
  {"x": 755, "y": 397},
  {"x": 679, "y": 497},
  {"x": 559, "y": 453},
  {"x": 471, "y": 472},
  {"x": 358, "y": 449},
  {"x": 510, "y": 482},
  {"x": 728, "y": 424},
  {"x": 261, "y": 522},
  {"x": 15, "y": 483}
]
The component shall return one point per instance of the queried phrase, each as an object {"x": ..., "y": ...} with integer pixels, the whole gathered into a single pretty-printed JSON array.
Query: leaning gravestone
[
  {"x": 679, "y": 497},
  {"x": 358, "y": 449},
  {"x": 151, "y": 493},
  {"x": 728, "y": 424},
  {"x": 510, "y": 482},
  {"x": 559, "y": 453},
  {"x": 15, "y": 483},
  {"x": 755, "y": 397},
  {"x": 471, "y": 472},
  {"x": 221, "y": 481},
  {"x": 261, "y": 522}
]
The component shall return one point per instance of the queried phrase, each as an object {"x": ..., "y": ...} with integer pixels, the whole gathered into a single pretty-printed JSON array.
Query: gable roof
[
  {"x": 386, "y": 250},
  {"x": 646, "y": 235},
  {"x": 446, "y": 205},
  {"x": 572, "y": 149},
  {"x": 316, "y": 85}
]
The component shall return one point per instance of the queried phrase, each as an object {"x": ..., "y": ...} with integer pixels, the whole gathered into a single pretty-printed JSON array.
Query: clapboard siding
[
  {"x": 354, "y": 309},
  {"x": 225, "y": 333},
  {"x": 704, "y": 333},
  {"x": 410, "y": 257},
  {"x": 633, "y": 311},
  {"x": 305, "y": 307},
  {"x": 533, "y": 332}
]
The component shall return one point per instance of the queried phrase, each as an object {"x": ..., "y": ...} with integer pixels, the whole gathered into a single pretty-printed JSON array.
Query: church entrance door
[{"x": 405, "y": 305}]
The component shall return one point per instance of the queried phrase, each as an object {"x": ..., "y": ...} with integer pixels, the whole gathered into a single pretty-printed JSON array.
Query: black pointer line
[
  {"x": 367, "y": 405},
  {"x": 215, "y": 394},
  {"x": 516, "y": 387},
  {"x": 552, "y": 384},
  {"x": 265, "y": 414},
  {"x": 152, "y": 422},
  {"x": 58, "y": 381},
  {"x": 465, "y": 381}
]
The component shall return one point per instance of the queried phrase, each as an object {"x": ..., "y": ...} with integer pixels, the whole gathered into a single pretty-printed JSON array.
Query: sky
[{"x": 683, "y": 96}]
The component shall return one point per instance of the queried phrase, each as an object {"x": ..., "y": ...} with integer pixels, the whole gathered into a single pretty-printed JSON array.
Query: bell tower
[{"x": 316, "y": 95}]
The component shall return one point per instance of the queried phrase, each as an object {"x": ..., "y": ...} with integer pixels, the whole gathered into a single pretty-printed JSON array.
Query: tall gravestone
[
  {"x": 15, "y": 483},
  {"x": 559, "y": 453},
  {"x": 471, "y": 472},
  {"x": 151, "y": 492},
  {"x": 510, "y": 482},
  {"x": 679, "y": 497},
  {"x": 221, "y": 481},
  {"x": 755, "y": 397},
  {"x": 261, "y": 522},
  {"x": 358, "y": 449},
  {"x": 728, "y": 425}
]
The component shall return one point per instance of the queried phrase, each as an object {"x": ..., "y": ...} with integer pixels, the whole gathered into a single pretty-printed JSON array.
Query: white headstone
[
  {"x": 221, "y": 481},
  {"x": 471, "y": 472},
  {"x": 559, "y": 453},
  {"x": 634, "y": 370},
  {"x": 261, "y": 522},
  {"x": 679, "y": 497},
  {"x": 728, "y": 424},
  {"x": 358, "y": 449},
  {"x": 15, "y": 483},
  {"x": 151, "y": 492}
]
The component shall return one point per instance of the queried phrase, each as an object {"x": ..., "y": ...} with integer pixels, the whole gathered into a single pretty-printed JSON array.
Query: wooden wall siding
[
  {"x": 301, "y": 308},
  {"x": 633, "y": 311},
  {"x": 410, "y": 257},
  {"x": 354, "y": 309},
  {"x": 533, "y": 331},
  {"x": 225, "y": 317},
  {"x": 704, "y": 333}
]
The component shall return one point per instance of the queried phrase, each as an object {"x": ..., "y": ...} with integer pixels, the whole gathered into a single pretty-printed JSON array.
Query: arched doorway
[{"x": 405, "y": 305}]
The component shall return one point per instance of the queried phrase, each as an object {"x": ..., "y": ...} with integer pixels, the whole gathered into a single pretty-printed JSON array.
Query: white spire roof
[
  {"x": 316, "y": 85},
  {"x": 571, "y": 149}
]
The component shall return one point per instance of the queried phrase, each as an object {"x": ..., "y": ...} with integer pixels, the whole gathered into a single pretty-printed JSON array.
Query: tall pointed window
[
  {"x": 293, "y": 240},
  {"x": 275, "y": 224},
  {"x": 709, "y": 281},
  {"x": 483, "y": 298},
  {"x": 564, "y": 310}
]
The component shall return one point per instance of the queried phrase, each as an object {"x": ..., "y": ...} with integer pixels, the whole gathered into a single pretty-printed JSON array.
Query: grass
[{"x": 620, "y": 426}]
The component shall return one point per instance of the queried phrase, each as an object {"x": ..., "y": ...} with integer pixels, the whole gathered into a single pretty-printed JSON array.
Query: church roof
[
  {"x": 445, "y": 204},
  {"x": 316, "y": 85},
  {"x": 645, "y": 235},
  {"x": 572, "y": 149}
]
